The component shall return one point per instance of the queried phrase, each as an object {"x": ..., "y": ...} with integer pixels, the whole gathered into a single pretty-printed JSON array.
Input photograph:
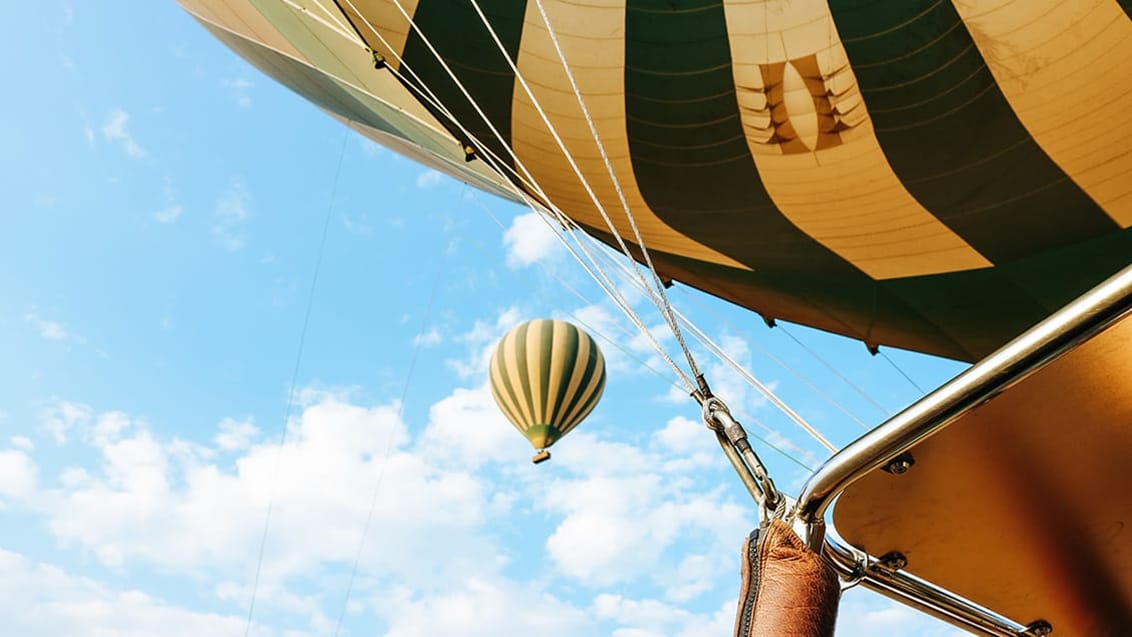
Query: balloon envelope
[
  {"x": 931, "y": 175},
  {"x": 546, "y": 376}
]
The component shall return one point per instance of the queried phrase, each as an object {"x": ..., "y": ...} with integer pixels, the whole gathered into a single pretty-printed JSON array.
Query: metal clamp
[{"x": 733, "y": 438}]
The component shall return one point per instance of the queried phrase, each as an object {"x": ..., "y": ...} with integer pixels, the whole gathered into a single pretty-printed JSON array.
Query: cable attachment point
[
  {"x": 378, "y": 60},
  {"x": 733, "y": 437}
]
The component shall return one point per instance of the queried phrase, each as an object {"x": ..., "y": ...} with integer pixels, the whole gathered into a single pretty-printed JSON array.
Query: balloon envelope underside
[{"x": 927, "y": 175}]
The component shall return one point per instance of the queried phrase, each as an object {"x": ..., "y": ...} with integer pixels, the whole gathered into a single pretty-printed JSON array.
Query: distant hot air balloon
[{"x": 546, "y": 376}]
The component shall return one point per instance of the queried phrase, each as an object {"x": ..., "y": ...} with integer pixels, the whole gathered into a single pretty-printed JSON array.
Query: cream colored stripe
[
  {"x": 515, "y": 371},
  {"x": 592, "y": 37},
  {"x": 345, "y": 60},
  {"x": 1064, "y": 68},
  {"x": 535, "y": 356},
  {"x": 838, "y": 188},
  {"x": 384, "y": 16},
  {"x": 241, "y": 17},
  {"x": 502, "y": 398},
  {"x": 557, "y": 365}
]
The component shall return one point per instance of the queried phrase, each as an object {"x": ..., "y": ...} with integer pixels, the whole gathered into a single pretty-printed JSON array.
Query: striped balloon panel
[
  {"x": 930, "y": 174},
  {"x": 546, "y": 376}
]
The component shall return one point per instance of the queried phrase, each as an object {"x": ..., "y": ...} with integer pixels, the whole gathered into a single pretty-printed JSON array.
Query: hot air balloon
[
  {"x": 941, "y": 176},
  {"x": 885, "y": 173},
  {"x": 546, "y": 376}
]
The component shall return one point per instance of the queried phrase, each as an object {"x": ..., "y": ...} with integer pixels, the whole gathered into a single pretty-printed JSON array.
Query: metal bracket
[
  {"x": 900, "y": 465},
  {"x": 1038, "y": 628},
  {"x": 892, "y": 561},
  {"x": 378, "y": 60}
]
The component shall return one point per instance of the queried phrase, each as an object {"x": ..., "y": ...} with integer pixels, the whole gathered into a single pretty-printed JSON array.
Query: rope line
[
  {"x": 774, "y": 447},
  {"x": 417, "y": 346},
  {"x": 902, "y": 372},
  {"x": 294, "y": 381},
  {"x": 845, "y": 379},
  {"x": 562, "y": 218},
  {"x": 664, "y": 305},
  {"x": 784, "y": 365},
  {"x": 594, "y": 269}
]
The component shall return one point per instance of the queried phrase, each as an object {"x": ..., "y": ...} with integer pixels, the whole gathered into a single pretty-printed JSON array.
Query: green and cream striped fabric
[
  {"x": 547, "y": 376},
  {"x": 931, "y": 174}
]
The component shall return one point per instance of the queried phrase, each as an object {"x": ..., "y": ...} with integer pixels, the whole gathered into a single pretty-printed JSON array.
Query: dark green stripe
[
  {"x": 572, "y": 398},
  {"x": 587, "y": 375},
  {"x": 520, "y": 345},
  {"x": 1127, "y": 6},
  {"x": 508, "y": 391},
  {"x": 952, "y": 137},
  {"x": 590, "y": 402},
  {"x": 688, "y": 146},
  {"x": 460, "y": 37},
  {"x": 570, "y": 344}
]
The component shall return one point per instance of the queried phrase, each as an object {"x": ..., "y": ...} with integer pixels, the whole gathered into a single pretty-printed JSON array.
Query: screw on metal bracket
[
  {"x": 892, "y": 561},
  {"x": 900, "y": 464},
  {"x": 1038, "y": 628}
]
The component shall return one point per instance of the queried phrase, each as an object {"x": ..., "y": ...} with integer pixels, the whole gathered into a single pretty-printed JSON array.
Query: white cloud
[
  {"x": 168, "y": 214},
  {"x": 48, "y": 329},
  {"x": 641, "y": 508},
  {"x": 40, "y": 600},
  {"x": 484, "y": 608},
  {"x": 481, "y": 341},
  {"x": 172, "y": 211},
  {"x": 430, "y": 338},
  {"x": 235, "y": 434},
  {"x": 21, "y": 442},
  {"x": 357, "y": 225},
  {"x": 240, "y": 88},
  {"x": 530, "y": 240},
  {"x": 429, "y": 179},
  {"x": 467, "y": 429},
  {"x": 114, "y": 130},
  {"x": 18, "y": 475},
  {"x": 168, "y": 504},
  {"x": 442, "y": 540},
  {"x": 231, "y": 215},
  {"x": 369, "y": 147},
  {"x": 863, "y": 614},
  {"x": 60, "y": 419}
]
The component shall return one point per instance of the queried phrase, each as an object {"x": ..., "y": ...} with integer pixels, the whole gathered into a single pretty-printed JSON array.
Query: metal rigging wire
[{"x": 294, "y": 380}]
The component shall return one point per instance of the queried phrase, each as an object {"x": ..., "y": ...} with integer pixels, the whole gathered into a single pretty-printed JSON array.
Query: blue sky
[{"x": 163, "y": 204}]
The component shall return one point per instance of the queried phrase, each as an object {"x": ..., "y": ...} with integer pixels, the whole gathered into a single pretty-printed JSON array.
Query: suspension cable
[
  {"x": 845, "y": 379},
  {"x": 665, "y": 306},
  {"x": 902, "y": 372},
  {"x": 784, "y": 365},
  {"x": 761, "y": 424},
  {"x": 549, "y": 208},
  {"x": 417, "y": 346},
  {"x": 294, "y": 381},
  {"x": 658, "y": 297},
  {"x": 759, "y": 386}
]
